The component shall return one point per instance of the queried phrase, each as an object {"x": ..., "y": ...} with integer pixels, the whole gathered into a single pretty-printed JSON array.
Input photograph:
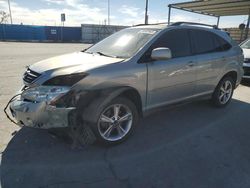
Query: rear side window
[
  {"x": 224, "y": 44},
  {"x": 207, "y": 42},
  {"x": 177, "y": 41}
]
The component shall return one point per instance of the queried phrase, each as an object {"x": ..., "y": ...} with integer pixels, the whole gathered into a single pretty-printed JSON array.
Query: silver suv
[{"x": 108, "y": 86}]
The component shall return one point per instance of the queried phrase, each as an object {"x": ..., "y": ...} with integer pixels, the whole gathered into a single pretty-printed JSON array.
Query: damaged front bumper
[{"x": 39, "y": 114}]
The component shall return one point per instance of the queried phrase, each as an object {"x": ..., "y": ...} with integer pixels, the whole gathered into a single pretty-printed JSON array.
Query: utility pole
[
  {"x": 146, "y": 13},
  {"x": 10, "y": 13},
  {"x": 63, "y": 19},
  {"x": 108, "y": 12}
]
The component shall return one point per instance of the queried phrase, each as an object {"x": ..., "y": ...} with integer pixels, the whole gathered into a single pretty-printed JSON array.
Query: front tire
[
  {"x": 116, "y": 121},
  {"x": 223, "y": 92}
]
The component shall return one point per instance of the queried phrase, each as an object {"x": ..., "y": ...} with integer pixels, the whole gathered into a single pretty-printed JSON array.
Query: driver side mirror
[{"x": 161, "y": 54}]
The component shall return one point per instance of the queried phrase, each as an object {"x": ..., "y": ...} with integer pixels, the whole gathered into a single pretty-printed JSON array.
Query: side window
[
  {"x": 207, "y": 42},
  {"x": 177, "y": 41},
  {"x": 224, "y": 44},
  {"x": 218, "y": 47},
  {"x": 203, "y": 42}
]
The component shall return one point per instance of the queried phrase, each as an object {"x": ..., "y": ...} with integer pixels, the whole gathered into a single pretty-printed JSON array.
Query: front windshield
[
  {"x": 123, "y": 44},
  {"x": 246, "y": 44}
]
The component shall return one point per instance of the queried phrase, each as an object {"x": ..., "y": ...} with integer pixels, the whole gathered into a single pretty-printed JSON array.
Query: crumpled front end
[{"x": 38, "y": 114}]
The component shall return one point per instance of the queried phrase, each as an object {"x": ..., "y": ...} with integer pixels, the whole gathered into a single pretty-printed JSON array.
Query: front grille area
[
  {"x": 30, "y": 76},
  {"x": 246, "y": 71}
]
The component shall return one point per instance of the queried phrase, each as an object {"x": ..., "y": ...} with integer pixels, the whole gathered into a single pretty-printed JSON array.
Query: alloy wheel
[
  {"x": 225, "y": 92},
  {"x": 115, "y": 122}
]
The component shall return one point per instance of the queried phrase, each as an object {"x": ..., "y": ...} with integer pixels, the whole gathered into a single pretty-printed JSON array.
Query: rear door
[
  {"x": 210, "y": 53},
  {"x": 174, "y": 79}
]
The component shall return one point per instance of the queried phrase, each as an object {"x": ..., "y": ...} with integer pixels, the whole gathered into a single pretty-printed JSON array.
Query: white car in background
[{"x": 246, "y": 65}]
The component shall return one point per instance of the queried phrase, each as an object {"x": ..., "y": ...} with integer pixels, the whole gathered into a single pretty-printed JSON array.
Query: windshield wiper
[{"x": 102, "y": 54}]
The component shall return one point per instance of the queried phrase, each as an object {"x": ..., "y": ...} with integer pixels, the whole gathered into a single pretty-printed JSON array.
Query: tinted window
[
  {"x": 221, "y": 44},
  {"x": 177, "y": 41},
  {"x": 218, "y": 47},
  {"x": 207, "y": 42}
]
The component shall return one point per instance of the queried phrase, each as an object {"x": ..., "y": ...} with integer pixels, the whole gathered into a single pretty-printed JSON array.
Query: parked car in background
[
  {"x": 123, "y": 77},
  {"x": 246, "y": 51}
]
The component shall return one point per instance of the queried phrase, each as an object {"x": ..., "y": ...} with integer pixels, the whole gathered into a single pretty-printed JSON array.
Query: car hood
[
  {"x": 74, "y": 62},
  {"x": 246, "y": 53}
]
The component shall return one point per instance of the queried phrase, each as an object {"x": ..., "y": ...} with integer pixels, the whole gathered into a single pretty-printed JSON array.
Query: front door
[{"x": 174, "y": 79}]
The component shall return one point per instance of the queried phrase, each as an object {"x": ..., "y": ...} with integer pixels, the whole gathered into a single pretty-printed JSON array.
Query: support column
[
  {"x": 218, "y": 21},
  {"x": 169, "y": 13},
  {"x": 247, "y": 26}
]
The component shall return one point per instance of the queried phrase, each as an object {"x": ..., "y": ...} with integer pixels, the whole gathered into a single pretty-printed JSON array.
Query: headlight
[
  {"x": 65, "y": 80},
  {"x": 44, "y": 93}
]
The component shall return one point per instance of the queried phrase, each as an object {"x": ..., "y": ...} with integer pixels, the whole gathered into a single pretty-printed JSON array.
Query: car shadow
[{"x": 34, "y": 158}]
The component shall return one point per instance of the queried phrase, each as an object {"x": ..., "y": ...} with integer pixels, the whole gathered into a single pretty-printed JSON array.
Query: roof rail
[
  {"x": 193, "y": 23},
  {"x": 152, "y": 24}
]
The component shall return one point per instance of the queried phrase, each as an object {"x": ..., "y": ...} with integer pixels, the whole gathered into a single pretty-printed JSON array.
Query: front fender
[{"x": 91, "y": 111}]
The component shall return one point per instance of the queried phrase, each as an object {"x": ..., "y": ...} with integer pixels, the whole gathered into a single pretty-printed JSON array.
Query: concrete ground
[{"x": 193, "y": 145}]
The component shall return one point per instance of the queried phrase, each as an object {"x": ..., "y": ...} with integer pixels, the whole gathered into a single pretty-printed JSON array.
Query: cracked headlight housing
[{"x": 44, "y": 93}]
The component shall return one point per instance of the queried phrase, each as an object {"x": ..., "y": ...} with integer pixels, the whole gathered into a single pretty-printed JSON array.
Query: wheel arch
[
  {"x": 134, "y": 96},
  {"x": 233, "y": 74},
  {"x": 93, "y": 109}
]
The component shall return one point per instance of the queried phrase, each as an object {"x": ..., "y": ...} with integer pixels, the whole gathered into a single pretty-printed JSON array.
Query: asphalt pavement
[{"x": 193, "y": 145}]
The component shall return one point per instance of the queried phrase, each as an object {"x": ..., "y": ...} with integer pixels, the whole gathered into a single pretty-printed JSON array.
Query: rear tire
[{"x": 223, "y": 92}]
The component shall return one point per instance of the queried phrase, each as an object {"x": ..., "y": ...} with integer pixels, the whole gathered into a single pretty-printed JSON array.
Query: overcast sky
[{"x": 123, "y": 12}]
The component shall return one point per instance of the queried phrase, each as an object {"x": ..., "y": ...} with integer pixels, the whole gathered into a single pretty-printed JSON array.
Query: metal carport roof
[{"x": 215, "y": 8}]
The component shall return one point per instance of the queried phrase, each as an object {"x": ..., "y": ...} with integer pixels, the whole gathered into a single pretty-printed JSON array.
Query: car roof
[
  {"x": 151, "y": 26},
  {"x": 164, "y": 26}
]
